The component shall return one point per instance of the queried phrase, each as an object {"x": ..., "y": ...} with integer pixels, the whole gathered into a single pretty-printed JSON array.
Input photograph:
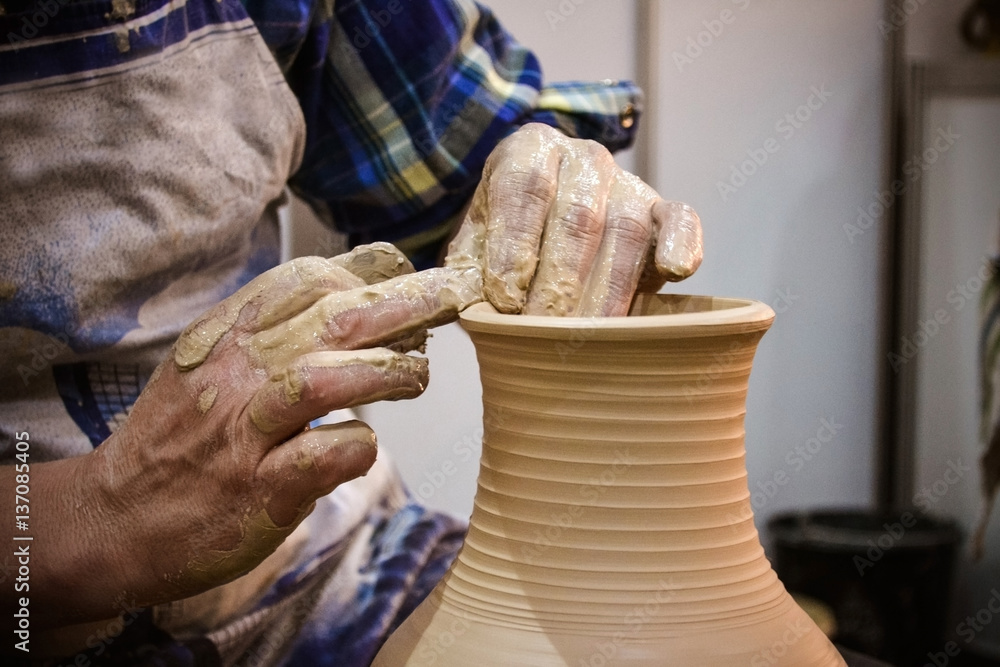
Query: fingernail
[
  {"x": 679, "y": 249},
  {"x": 352, "y": 445}
]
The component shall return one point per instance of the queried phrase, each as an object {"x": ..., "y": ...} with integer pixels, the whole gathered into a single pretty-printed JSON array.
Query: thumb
[{"x": 312, "y": 464}]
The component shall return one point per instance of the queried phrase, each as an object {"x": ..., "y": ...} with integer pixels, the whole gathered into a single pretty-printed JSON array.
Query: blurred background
[{"x": 786, "y": 125}]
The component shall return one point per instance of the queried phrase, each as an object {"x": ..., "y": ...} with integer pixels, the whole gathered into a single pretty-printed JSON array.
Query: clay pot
[{"x": 612, "y": 522}]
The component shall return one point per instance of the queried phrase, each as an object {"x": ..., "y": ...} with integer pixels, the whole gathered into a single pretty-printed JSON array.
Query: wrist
[{"x": 84, "y": 570}]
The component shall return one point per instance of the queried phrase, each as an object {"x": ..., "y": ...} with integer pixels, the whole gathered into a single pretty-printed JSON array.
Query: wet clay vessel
[{"x": 612, "y": 521}]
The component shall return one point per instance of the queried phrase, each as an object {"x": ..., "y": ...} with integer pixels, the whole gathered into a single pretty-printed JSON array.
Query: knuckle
[
  {"x": 309, "y": 271},
  {"x": 620, "y": 280},
  {"x": 580, "y": 221},
  {"x": 633, "y": 186},
  {"x": 596, "y": 151},
  {"x": 535, "y": 129},
  {"x": 341, "y": 330},
  {"x": 631, "y": 229},
  {"x": 526, "y": 195}
]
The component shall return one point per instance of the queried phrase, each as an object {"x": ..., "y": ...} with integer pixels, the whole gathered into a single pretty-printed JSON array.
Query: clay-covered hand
[
  {"x": 557, "y": 228},
  {"x": 213, "y": 469}
]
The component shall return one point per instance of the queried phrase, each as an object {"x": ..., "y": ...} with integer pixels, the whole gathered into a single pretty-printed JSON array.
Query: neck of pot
[{"x": 612, "y": 488}]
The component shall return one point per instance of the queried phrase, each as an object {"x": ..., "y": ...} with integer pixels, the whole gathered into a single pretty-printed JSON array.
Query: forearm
[{"x": 69, "y": 563}]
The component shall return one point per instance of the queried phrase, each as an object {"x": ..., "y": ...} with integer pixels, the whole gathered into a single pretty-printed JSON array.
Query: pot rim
[{"x": 667, "y": 315}]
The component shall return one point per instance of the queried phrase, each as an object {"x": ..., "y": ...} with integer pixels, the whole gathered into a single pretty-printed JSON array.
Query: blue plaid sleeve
[{"x": 405, "y": 99}]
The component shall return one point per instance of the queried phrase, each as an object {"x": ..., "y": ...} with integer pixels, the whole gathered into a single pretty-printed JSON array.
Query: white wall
[{"x": 778, "y": 235}]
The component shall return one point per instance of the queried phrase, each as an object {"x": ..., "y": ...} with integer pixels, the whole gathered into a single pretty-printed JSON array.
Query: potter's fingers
[
  {"x": 628, "y": 236},
  {"x": 374, "y": 262},
  {"x": 318, "y": 383},
  {"x": 466, "y": 250},
  {"x": 312, "y": 464},
  {"x": 271, "y": 297},
  {"x": 573, "y": 231},
  {"x": 371, "y": 316},
  {"x": 679, "y": 246},
  {"x": 416, "y": 341},
  {"x": 520, "y": 191}
]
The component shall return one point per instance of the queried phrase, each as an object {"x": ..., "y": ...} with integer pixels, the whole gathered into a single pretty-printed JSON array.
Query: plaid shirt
[{"x": 404, "y": 101}]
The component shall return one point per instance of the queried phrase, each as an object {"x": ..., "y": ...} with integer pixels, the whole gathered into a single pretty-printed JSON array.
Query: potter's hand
[
  {"x": 557, "y": 228},
  {"x": 212, "y": 469}
]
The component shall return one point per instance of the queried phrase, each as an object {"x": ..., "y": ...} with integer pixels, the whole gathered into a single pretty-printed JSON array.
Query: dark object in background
[
  {"x": 858, "y": 660},
  {"x": 886, "y": 576},
  {"x": 980, "y": 26}
]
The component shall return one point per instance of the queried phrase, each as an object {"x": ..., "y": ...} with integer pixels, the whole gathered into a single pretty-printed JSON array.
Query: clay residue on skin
[
  {"x": 679, "y": 249},
  {"x": 415, "y": 343},
  {"x": 296, "y": 286},
  {"x": 574, "y": 229},
  {"x": 292, "y": 380},
  {"x": 627, "y": 245},
  {"x": 380, "y": 359},
  {"x": 312, "y": 278},
  {"x": 334, "y": 436},
  {"x": 512, "y": 260},
  {"x": 436, "y": 296},
  {"x": 259, "y": 537},
  {"x": 538, "y": 189},
  {"x": 559, "y": 294},
  {"x": 207, "y": 399},
  {"x": 541, "y": 227},
  {"x": 198, "y": 340},
  {"x": 375, "y": 262}
]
